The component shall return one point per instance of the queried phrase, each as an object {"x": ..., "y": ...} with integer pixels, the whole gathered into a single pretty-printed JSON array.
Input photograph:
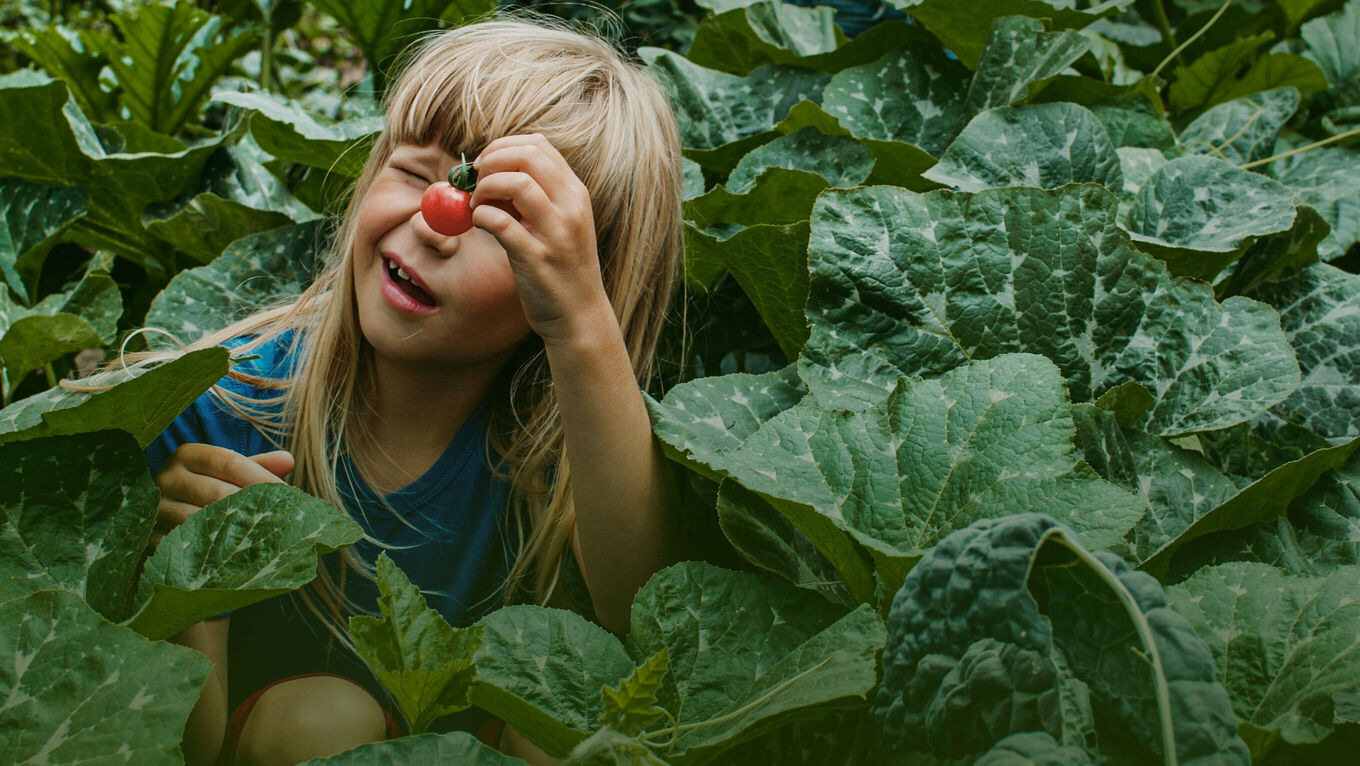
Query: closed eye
[{"x": 414, "y": 174}]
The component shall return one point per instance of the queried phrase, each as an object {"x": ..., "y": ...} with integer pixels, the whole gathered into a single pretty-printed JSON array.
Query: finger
[
  {"x": 278, "y": 462},
  {"x": 225, "y": 465},
  {"x": 517, "y": 241},
  {"x": 522, "y": 190},
  {"x": 170, "y": 514},
  {"x": 536, "y": 157},
  {"x": 195, "y": 489}
]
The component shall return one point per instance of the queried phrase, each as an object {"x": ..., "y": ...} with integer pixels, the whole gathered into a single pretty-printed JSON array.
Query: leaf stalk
[
  {"x": 1177, "y": 52},
  {"x": 1301, "y": 149}
]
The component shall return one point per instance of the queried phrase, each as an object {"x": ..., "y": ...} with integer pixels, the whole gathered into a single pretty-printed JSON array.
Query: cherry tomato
[
  {"x": 447, "y": 210},
  {"x": 447, "y": 206}
]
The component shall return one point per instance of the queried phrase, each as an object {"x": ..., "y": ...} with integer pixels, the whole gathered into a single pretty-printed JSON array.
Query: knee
[{"x": 309, "y": 718}]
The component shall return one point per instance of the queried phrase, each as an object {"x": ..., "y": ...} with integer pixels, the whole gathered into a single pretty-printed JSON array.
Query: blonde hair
[{"x": 462, "y": 88}]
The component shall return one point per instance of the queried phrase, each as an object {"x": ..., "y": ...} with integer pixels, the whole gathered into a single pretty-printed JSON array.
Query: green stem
[
  {"x": 51, "y": 375},
  {"x": 1176, "y": 53},
  {"x": 1301, "y": 149},
  {"x": 1163, "y": 24},
  {"x": 267, "y": 59}
]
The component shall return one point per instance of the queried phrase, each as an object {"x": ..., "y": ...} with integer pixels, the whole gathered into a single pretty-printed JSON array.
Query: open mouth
[{"x": 404, "y": 283}]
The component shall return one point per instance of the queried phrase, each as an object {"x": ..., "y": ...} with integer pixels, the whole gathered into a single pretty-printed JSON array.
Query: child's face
[{"x": 469, "y": 312}]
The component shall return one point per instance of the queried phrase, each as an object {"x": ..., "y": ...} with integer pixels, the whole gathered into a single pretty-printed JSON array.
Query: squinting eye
[{"x": 414, "y": 174}]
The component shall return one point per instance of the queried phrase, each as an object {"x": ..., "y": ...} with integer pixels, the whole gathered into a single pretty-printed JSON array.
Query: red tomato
[{"x": 446, "y": 209}]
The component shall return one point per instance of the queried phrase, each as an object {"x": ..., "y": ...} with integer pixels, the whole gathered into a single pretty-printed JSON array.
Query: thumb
[{"x": 278, "y": 462}]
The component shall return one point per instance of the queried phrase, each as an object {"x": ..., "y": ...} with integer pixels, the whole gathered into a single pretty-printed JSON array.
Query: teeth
[{"x": 402, "y": 273}]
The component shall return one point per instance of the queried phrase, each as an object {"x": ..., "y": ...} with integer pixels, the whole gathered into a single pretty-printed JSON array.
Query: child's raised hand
[
  {"x": 197, "y": 475},
  {"x": 550, "y": 236}
]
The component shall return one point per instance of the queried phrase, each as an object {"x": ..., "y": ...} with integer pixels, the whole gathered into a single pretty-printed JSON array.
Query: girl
[{"x": 472, "y": 400}]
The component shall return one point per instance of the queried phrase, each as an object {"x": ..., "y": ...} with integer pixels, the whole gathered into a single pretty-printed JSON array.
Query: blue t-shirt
[{"x": 445, "y": 530}]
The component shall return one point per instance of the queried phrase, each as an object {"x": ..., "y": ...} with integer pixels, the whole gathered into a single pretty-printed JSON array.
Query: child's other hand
[
  {"x": 201, "y": 474},
  {"x": 551, "y": 242}
]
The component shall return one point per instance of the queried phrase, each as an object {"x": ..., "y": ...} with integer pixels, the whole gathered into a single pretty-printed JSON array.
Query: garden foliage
[{"x": 1036, "y": 442}]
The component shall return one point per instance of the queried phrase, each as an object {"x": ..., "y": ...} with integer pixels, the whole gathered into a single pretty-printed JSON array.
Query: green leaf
[
  {"x": 167, "y": 58},
  {"x": 1133, "y": 120},
  {"x": 420, "y": 658},
  {"x": 1033, "y": 748},
  {"x": 382, "y": 30},
  {"x": 965, "y": 28},
  {"x": 1233, "y": 71},
  {"x": 143, "y": 406},
  {"x": 607, "y": 747},
  {"x": 723, "y": 117},
  {"x": 63, "y": 52},
  {"x": 1320, "y": 313},
  {"x": 77, "y": 513},
  {"x": 917, "y": 284},
  {"x": 842, "y": 161},
  {"x": 1042, "y": 633},
  {"x": 286, "y": 130},
  {"x": 1324, "y": 178},
  {"x": 1242, "y": 130},
  {"x": 1020, "y": 58},
  {"x": 1047, "y": 145},
  {"x": 34, "y": 341},
  {"x": 1128, "y": 402},
  {"x": 455, "y": 747},
  {"x": 1283, "y": 645},
  {"x": 81, "y": 690},
  {"x": 1199, "y": 215},
  {"x": 205, "y": 299},
  {"x": 913, "y": 95},
  {"x": 44, "y": 138},
  {"x": 261, "y": 541},
  {"x": 541, "y": 671},
  {"x": 31, "y": 214},
  {"x": 1334, "y": 43},
  {"x": 747, "y": 654},
  {"x": 764, "y": 32},
  {"x": 631, "y": 705}
]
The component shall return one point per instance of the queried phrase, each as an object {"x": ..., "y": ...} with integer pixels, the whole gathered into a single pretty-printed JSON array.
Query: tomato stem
[{"x": 462, "y": 176}]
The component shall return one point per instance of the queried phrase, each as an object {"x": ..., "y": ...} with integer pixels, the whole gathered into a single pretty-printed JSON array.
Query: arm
[
  {"x": 208, "y": 722},
  {"x": 626, "y": 508}
]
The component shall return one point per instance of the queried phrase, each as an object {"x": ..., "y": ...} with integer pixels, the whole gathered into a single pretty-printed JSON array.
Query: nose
[{"x": 442, "y": 243}]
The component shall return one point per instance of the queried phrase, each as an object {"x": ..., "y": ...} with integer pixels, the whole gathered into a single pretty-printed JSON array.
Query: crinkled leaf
[
  {"x": 1047, "y": 145},
  {"x": 424, "y": 662},
  {"x": 917, "y": 284},
  {"x": 1136, "y": 165},
  {"x": 1283, "y": 644},
  {"x": 723, "y": 117},
  {"x": 289, "y": 132},
  {"x": 31, "y": 214},
  {"x": 1242, "y": 130},
  {"x": 1033, "y": 748},
  {"x": 1234, "y": 71},
  {"x": 167, "y": 59},
  {"x": 1020, "y": 56},
  {"x": 45, "y": 138},
  {"x": 1277, "y": 256},
  {"x": 841, "y": 160},
  {"x": 631, "y": 705},
  {"x": 607, "y": 747},
  {"x": 1334, "y": 43},
  {"x": 382, "y": 29},
  {"x": 1200, "y": 214},
  {"x": 1133, "y": 120},
  {"x": 925, "y": 110},
  {"x": 1101, "y": 634},
  {"x": 1128, "y": 402},
  {"x": 828, "y": 741},
  {"x": 77, "y": 512},
  {"x": 259, "y": 542},
  {"x": 764, "y": 32},
  {"x": 778, "y": 196},
  {"x": 1325, "y": 179},
  {"x": 757, "y": 654},
  {"x": 455, "y": 747},
  {"x": 205, "y": 299},
  {"x": 142, "y": 406},
  {"x": 964, "y": 27},
  {"x": 63, "y": 52},
  {"x": 36, "y": 340},
  {"x": 541, "y": 671},
  {"x": 80, "y": 690}
]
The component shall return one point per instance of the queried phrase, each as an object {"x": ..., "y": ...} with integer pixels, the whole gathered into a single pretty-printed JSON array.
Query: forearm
[
  {"x": 207, "y": 723},
  {"x": 627, "y": 518}
]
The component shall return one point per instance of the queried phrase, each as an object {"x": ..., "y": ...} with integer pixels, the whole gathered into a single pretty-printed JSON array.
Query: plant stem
[
  {"x": 267, "y": 60},
  {"x": 1176, "y": 53},
  {"x": 51, "y": 375},
  {"x": 1163, "y": 24},
  {"x": 1301, "y": 149}
]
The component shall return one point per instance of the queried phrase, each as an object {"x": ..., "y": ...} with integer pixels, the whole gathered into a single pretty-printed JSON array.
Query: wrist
[{"x": 591, "y": 329}]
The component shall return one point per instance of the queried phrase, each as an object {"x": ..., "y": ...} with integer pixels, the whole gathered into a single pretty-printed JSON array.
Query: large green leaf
[
  {"x": 456, "y": 747},
  {"x": 1019, "y": 59},
  {"x": 764, "y": 32},
  {"x": 1047, "y": 145},
  {"x": 1334, "y": 43},
  {"x": 289, "y": 132},
  {"x": 60, "y": 324},
  {"x": 722, "y": 116},
  {"x": 77, "y": 512},
  {"x": 383, "y": 29},
  {"x": 541, "y": 671},
  {"x": 1133, "y": 120},
  {"x": 1320, "y": 312},
  {"x": 30, "y": 215},
  {"x": 44, "y": 138},
  {"x": 1242, "y": 130},
  {"x": 255, "y": 272},
  {"x": 81, "y": 690},
  {"x": 1326, "y": 180},
  {"x": 259, "y": 542},
  {"x": 917, "y": 284},
  {"x": 420, "y": 658},
  {"x": 143, "y": 406},
  {"x": 1034, "y": 748},
  {"x": 747, "y": 654},
  {"x": 1283, "y": 644},
  {"x": 631, "y": 706},
  {"x": 964, "y": 28},
  {"x": 1234, "y": 71},
  {"x": 1041, "y": 635},
  {"x": 64, "y": 53},
  {"x": 167, "y": 58},
  {"x": 1200, "y": 214}
]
